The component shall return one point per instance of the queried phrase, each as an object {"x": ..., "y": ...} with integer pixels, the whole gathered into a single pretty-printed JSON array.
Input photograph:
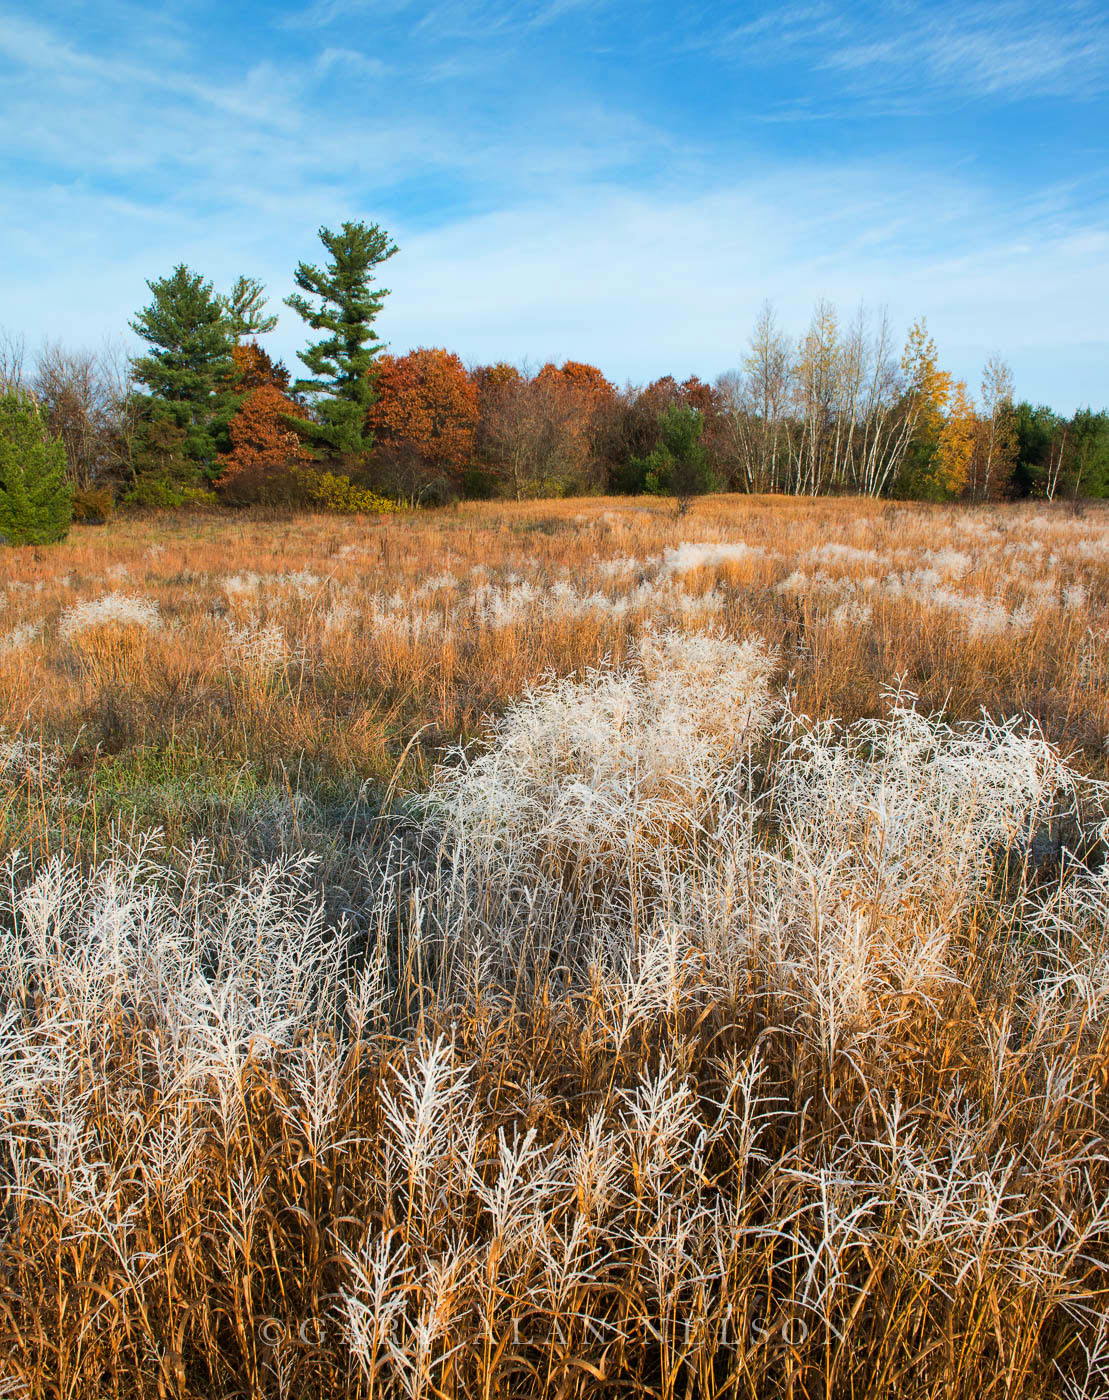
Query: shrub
[
  {"x": 402, "y": 471},
  {"x": 158, "y": 493},
  {"x": 299, "y": 487},
  {"x": 93, "y": 506},
  {"x": 153, "y": 493},
  {"x": 344, "y": 496},
  {"x": 36, "y": 500},
  {"x": 262, "y": 484},
  {"x": 478, "y": 484}
]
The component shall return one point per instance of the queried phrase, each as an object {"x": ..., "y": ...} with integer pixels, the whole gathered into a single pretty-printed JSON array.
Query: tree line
[{"x": 202, "y": 414}]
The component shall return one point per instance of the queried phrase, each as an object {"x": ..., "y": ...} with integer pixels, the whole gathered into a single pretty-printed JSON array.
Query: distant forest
[{"x": 204, "y": 415}]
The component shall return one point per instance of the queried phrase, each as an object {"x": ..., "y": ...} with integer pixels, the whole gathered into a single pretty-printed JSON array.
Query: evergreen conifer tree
[
  {"x": 244, "y": 305},
  {"x": 679, "y": 465},
  {"x": 36, "y": 501},
  {"x": 188, "y": 371},
  {"x": 341, "y": 364}
]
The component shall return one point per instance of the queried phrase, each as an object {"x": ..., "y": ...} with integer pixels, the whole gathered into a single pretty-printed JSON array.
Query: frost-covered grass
[
  {"x": 109, "y": 610},
  {"x": 624, "y": 955},
  {"x": 677, "y": 1044}
]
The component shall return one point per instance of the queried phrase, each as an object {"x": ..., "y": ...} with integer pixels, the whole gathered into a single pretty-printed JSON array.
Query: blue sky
[{"x": 620, "y": 183}]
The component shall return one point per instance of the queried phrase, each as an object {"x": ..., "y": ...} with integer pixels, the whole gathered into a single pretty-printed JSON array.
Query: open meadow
[{"x": 571, "y": 948}]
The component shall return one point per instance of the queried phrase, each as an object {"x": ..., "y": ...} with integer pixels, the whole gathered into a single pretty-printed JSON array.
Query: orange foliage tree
[
  {"x": 426, "y": 404},
  {"x": 251, "y": 367},
  {"x": 535, "y": 432},
  {"x": 261, "y": 439},
  {"x": 579, "y": 394},
  {"x": 488, "y": 377},
  {"x": 585, "y": 382}
]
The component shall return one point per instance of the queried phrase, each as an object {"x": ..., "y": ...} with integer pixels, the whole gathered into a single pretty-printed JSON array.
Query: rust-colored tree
[
  {"x": 579, "y": 395},
  {"x": 263, "y": 444},
  {"x": 585, "y": 382},
  {"x": 427, "y": 404},
  {"x": 251, "y": 368},
  {"x": 705, "y": 398},
  {"x": 488, "y": 377},
  {"x": 534, "y": 433}
]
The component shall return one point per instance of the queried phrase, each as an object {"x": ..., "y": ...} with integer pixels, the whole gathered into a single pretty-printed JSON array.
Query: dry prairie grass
[
  {"x": 725, "y": 1022},
  {"x": 338, "y": 643}
]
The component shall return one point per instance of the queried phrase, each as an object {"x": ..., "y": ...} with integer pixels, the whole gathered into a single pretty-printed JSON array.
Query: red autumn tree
[
  {"x": 695, "y": 393},
  {"x": 261, "y": 438},
  {"x": 427, "y": 404}
]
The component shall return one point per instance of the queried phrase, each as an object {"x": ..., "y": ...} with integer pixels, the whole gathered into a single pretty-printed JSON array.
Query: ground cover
[{"x": 625, "y": 953}]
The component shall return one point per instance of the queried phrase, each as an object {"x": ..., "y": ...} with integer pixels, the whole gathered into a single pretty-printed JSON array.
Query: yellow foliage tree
[
  {"x": 951, "y": 464},
  {"x": 942, "y": 417},
  {"x": 929, "y": 386}
]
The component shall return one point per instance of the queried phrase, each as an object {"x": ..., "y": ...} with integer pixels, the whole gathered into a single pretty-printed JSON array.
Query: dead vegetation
[{"x": 724, "y": 1021}]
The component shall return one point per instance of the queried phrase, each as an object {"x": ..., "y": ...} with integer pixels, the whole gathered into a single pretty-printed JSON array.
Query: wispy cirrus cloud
[
  {"x": 448, "y": 19},
  {"x": 992, "y": 50},
  {"x": 999, "y": 49}
]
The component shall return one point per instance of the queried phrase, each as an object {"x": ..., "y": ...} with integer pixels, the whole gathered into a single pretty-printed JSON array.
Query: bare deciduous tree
[
  {"x": 998, "y": 442},
  {"x": 88, "y": 399},
  {"x": 753, "y": 402},
  {"x": 828, "y": 414},
  {"x": 13, "y": 355}
]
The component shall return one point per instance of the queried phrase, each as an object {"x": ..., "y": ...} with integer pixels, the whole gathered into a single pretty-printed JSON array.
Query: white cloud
[
  {"x": 905, "y": 56},
  {"x": 642, "y": 284},
  {"x": 992, "y": 50},
  {"x": 351, "y": 60},
  {"x": 672, "y": 281},
  {"x": 580, "y": 247}
]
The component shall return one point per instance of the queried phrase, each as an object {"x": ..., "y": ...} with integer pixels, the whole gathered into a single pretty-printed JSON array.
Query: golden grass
[
  {"x": 644, "y": 1058},
  {"x": 351, "y": 691}
]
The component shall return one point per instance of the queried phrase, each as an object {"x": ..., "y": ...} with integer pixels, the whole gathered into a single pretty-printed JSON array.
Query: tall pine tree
[
  {"x": 346, "y": 306},
  {"x": 244, "y": 305},
  {"x": 187, "y": 370},
  {"x": 36, "y": 502}
]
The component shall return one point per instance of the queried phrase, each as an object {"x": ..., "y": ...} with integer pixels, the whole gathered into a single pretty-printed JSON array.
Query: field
[{"x": 561, "y": 949}]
